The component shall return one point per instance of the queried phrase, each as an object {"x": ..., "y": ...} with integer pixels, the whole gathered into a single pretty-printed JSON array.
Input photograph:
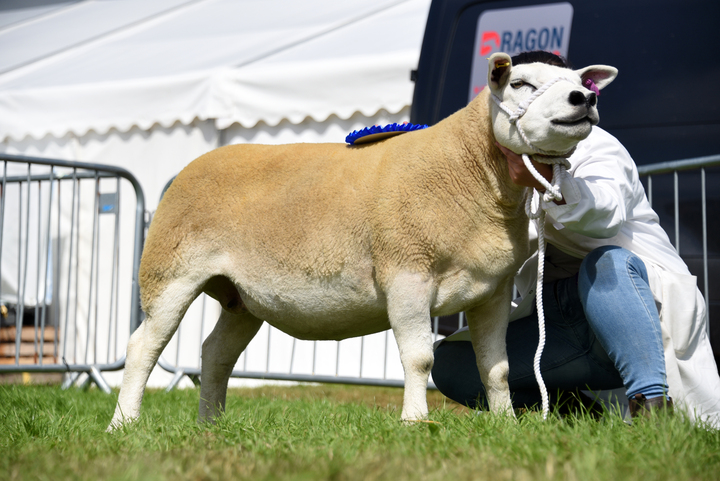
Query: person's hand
[{"x": 520, "y": 174}]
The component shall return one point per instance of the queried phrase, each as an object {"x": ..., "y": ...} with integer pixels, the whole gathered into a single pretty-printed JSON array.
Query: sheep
[{"x": 330, "y": 241}]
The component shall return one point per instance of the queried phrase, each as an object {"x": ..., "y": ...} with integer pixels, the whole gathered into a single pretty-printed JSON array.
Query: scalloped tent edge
[
  {"x": 245, "y": 96},
  {"x": 311, "y": 79}
]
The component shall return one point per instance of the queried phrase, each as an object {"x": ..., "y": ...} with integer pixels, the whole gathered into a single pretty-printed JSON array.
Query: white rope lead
[
  {"x": 552, "y": 192},
  {"x": 540, "y": 310}
]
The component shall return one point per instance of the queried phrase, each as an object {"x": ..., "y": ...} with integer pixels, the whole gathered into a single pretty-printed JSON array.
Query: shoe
[{"x": 641, "y": 406}]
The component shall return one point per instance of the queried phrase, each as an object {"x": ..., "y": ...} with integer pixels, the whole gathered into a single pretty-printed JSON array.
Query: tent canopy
[{"x": 72, "y": 67}]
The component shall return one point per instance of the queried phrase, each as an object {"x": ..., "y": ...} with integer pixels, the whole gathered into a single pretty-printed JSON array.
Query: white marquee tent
[
  {"x": 80, "y": 78},
  {"x": 150, "y": 85}
]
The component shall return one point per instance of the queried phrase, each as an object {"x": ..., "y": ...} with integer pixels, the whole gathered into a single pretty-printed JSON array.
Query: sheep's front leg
[
  {"x": 408, "y": 300},
  {"x": 488, "y": 330}
]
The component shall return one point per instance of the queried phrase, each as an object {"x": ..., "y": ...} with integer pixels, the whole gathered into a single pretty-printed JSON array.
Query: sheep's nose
[
  {"x": 592, "y": 99},
  {"x": 578, "y": 98}
]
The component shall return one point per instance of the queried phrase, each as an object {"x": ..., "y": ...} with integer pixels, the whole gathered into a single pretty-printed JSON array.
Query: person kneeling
[{"x": 621, "y": 307}]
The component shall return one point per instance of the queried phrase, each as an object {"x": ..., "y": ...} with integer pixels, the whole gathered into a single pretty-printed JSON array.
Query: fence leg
[
  {"x": 94, "y": 376},
  {"x": 195, "y": 379},
  {"x": 97, "y": 378},
  {"x": 69, "y": 380},
  {"x": 175, "y": 380},
  {"x": 86, "y": 382}
]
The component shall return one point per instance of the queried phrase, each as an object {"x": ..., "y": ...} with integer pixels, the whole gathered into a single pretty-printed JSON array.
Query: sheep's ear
[
  {"x": 499, "y": 66},
  {"x": 599, "y": 75}
]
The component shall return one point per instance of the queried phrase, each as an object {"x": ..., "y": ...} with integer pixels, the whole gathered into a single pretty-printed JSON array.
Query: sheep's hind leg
[
  {"x": 145, "y": 346},
  {"x": 220, "y": 352}
]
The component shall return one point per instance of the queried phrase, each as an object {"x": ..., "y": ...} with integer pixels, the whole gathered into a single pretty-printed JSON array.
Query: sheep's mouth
[{"x": 573, "y": 122}]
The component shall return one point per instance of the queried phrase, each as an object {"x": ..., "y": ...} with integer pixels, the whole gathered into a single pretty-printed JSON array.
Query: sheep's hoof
[
  {"x": 433, "y": 426},
  {"x": 115, "y": 426},
  {"x": 410, "y": 422}
]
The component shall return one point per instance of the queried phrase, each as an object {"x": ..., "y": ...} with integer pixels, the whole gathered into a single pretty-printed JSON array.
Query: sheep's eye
[{"x": 517, "y": 83}]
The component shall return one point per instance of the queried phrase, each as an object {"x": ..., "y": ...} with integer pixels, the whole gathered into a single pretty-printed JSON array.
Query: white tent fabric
[
  {"x": 150, "y": 86},
  {"x": 101, "y": 65}
]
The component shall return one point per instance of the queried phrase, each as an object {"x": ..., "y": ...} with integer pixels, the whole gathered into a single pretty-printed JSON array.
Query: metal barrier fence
[
  {"x": 685, "y": 227},
  {"x": 69, "y": 297},
  {"x": 70, "y": 247}
]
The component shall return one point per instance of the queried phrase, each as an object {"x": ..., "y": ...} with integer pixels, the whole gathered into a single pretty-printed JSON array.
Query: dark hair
[{"x": 540, "y": 56}]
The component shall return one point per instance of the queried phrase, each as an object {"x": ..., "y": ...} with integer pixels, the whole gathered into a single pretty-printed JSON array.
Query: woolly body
[
  {"x": 312, "y": 234},
  {"x": 329, "y": 241}
]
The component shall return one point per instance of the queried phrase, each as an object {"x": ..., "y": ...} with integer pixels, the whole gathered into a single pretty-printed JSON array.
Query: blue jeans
[{"x": 602, "y": 332}]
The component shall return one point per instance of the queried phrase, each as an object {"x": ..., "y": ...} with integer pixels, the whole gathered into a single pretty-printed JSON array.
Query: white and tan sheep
[{"x": 330, "y": 241}]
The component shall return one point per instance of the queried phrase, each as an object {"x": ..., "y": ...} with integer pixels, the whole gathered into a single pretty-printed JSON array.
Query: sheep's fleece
[{"x": 329, "y": 241}]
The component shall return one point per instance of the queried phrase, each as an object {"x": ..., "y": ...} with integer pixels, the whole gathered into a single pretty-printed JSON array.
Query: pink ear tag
[{"x": 590, "y": 85}]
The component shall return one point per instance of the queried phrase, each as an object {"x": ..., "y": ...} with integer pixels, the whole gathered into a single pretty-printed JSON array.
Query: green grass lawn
[{"x": 332, "y": 432}]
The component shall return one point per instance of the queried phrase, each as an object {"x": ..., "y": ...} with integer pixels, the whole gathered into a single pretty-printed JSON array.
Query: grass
[{"x": 332, "y": 432}]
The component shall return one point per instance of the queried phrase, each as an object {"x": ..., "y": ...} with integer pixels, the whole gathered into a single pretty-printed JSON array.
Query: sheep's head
[{"x": 557, "y": 119}]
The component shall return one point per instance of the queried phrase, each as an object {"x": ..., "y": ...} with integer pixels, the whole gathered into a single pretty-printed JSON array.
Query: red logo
[{"x": 488, "y": 37}]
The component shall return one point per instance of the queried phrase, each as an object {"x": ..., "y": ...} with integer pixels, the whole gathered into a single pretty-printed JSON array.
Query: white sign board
[{"x": 516, "y": 30}]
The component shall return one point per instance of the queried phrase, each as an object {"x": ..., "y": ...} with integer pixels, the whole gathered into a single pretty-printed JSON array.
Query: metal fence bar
[
  {"x": 93, "y": 271},
  {"x": 385, "y": 355},
  {"x": 23, "y": 260},
  {"x": 337, "y": 359},
  {"x": 292, "y": 355},
  {"x": 267, "y": 358},
  {"x": 36, "y": 343},
  {"x": 56, "y": 273},
  {"x": 314, "y": 356},
  {"x": 48, "y": 260},
  {"x": 113, "y": 316},
  {"x": 72, "y": 244},
  {"x": 2, "y": 215},
  {"x": 76, "y": 266},
  {"x": 679, "y": 165}
]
